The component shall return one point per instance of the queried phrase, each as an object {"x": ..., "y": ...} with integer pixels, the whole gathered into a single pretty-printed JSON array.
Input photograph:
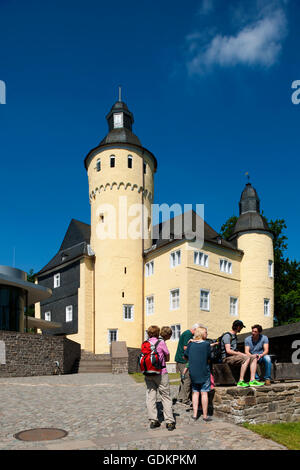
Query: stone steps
[{"x": 94, "y": 363}]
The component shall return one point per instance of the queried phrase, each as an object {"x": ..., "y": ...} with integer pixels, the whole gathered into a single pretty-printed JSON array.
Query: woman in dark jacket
[{"x": 198, "y": 354}]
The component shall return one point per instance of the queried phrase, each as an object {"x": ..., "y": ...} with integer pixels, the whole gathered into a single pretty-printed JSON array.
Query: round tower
[
  {"x": 254, "y": 238},
  {"x": 121, "y": 184}
]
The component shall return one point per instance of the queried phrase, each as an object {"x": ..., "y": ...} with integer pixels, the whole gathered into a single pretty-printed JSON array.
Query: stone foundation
[{"x": 277, "y": 403}]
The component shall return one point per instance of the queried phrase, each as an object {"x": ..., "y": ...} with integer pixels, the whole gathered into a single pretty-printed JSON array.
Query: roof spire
[{"x": 120, "y": 93}]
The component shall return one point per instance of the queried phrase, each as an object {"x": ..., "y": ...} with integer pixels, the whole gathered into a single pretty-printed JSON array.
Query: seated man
[
  {"x": 231, "y": 356},
  {"x": 258, "y": 345}
]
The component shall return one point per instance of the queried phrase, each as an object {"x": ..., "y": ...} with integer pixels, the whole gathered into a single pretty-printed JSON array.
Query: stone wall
[
  {"x": 119, "y": 357},
  {"x": 277, "y": 403},
  {"x": 29, "y": 354},
  {"x": 133, "y": 354}
]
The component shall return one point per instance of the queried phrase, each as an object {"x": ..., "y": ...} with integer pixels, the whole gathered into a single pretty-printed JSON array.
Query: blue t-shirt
[
  {"x": 198, "y": 355},
  {"x": 258, "y": 346}
]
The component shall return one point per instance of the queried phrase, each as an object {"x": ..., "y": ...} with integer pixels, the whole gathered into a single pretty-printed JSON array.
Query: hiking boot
[
  {"x": 256, "y": 383},
  {"x": 154, "y": 424},
  {"x": 241, "y": 383},
  {"x": 170, "y": 426}
]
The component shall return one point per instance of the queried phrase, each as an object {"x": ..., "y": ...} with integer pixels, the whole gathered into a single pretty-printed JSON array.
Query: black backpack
[{"x": 216, "y": 351}]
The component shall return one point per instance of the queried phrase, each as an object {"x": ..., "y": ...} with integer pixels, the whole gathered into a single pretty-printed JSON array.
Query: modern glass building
[{"x": 16, "y": 293}]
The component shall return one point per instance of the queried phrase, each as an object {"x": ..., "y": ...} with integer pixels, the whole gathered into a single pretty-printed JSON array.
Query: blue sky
[{"x": 209, "y": 84}]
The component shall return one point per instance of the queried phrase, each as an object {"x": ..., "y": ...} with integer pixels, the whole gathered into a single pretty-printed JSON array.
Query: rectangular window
[
  {"x": 270, "y": 266},
  {"x": 176, "y": 332},
  {"x": 267, "y": 307},
  {"x": 98, "y": 165},
  {"x": 146, "y": 335},
  {"x": 174, "y": 299},
  {"x": 150, "y": 305},
  {"x": 69, "y": 313},
  {"x": 129, "y": 161},
  {"x": 150, "y": 268},
  {"x": 112, "y": 161},
  {"x": 48, "y": 316},
  {"x": 127, "y": 312},
  {"x": 201, "y": 259},
  {"x": 145, "y": 168},
  {"x": 56, "y": 280},
  {"x": 175, "y": 258},
  {"x": 112, "y": 336},
  {"x": 204, "y": 299},
  {"x": 233, "y": 306},
  {"x": 225, "y": 266}
]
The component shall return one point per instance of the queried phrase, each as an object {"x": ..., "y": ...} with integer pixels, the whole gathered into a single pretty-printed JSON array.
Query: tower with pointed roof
[
  {"x": 121, "y": 185},
  {"x": 252, "y": 235}
]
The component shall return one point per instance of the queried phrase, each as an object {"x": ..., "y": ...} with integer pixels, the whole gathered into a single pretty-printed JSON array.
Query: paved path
[{"x": 105, "y": 411}]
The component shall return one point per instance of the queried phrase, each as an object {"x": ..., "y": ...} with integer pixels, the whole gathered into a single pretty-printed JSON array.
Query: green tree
[{"x": 286, "y": 272}]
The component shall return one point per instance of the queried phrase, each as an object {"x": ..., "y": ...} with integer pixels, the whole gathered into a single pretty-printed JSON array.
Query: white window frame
[
  {"x": 69, "y": 313},
  {"x": 175, "y": 258},
  {"x": 149, "y": 305},
  {"x": 149, "y": 268},
  {"x": 200, "y": 259},
  {"x": 112, "y": 330},
  {"x": 206, "y": 291},
  {"x": 225, "y": 266},
  {"x": 172, "y": 300},
  {"x": 271, "y": 268},
  {"x": 267, "y": 307},
  {"x": 118, "y": 120},
  {"x": 56, "y": 280},
  {"x": 47, "y": 316},
  {"x": 112, "y": 157},
  {"x": 131, "y": 307},
  {"x": 176, "y": 332},
  {"x": 233, "y": 306}
]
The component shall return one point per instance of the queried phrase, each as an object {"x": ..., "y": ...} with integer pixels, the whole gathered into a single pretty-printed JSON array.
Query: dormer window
[
  {"x": 118, "y": 120},
  {"x": 56, "y": 281}
]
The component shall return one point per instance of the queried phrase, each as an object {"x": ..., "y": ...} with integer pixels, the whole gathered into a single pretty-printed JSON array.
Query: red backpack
[{"x": 149, "y": 361}]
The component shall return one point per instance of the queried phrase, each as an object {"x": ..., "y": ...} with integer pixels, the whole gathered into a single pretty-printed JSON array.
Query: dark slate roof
[
  {"x": 250, "y": 218},
  {"x": 178, "y": 231},
  {"x": 121, "y": 136},
  {"x": 284, "y": 330},
  {"x": 73, "y": 246}
]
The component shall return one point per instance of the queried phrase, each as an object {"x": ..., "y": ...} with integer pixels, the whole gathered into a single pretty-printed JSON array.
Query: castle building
[{"x": 114, "y": 278}]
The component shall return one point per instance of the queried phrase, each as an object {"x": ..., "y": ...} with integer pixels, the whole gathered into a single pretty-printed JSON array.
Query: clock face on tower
[{"x": 118, "y": 120}]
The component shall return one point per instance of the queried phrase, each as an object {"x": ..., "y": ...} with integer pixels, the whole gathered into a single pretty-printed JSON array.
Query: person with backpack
[
  {"x": 231, "y": 356},
  {"x": 153, "y": 360},
  {"x": 198, "y": 353}
]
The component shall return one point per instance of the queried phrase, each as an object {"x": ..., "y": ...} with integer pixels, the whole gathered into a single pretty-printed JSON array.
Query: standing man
[
  {"x": 186, "y": 384},
  {"x": 232, "y": 356},
  {"x": 258, "y": 345}
]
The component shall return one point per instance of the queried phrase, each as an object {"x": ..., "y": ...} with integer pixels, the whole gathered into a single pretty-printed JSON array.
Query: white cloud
[{"x": 257, "y": 43}]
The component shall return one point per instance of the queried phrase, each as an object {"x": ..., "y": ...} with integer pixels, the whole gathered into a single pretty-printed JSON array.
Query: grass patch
[
  {"x": 287, "y": 434},
  {"x": 139, "y": 377}
]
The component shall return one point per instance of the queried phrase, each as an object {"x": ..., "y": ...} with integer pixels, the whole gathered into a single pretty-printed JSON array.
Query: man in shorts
[{"x": 231, "y": 356}]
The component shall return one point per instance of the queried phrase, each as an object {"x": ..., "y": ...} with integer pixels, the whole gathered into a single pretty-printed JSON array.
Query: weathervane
[{"x": 248, "y": 176}]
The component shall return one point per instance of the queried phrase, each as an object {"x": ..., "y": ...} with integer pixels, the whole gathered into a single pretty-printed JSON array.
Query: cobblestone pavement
[{"x": 105, "y": 411}]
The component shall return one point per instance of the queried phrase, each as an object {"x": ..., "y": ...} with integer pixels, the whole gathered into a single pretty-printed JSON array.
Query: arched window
[
  {"x": 129, "y": 161},
  {"x": 98, "y": 164},
  {"x": 112, "y": 161}
]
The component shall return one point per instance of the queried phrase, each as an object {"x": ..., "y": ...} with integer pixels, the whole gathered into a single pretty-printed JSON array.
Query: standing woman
[{"x": 198, "y": 354}]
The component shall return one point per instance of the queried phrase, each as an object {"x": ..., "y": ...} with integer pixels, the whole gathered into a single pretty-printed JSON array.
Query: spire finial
[
  {"x": 248, "y": 176},
  {"x": 120, "y": 93}
]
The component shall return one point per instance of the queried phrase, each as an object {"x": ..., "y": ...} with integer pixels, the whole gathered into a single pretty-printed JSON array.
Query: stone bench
[{"x": 226, "y": 375}]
